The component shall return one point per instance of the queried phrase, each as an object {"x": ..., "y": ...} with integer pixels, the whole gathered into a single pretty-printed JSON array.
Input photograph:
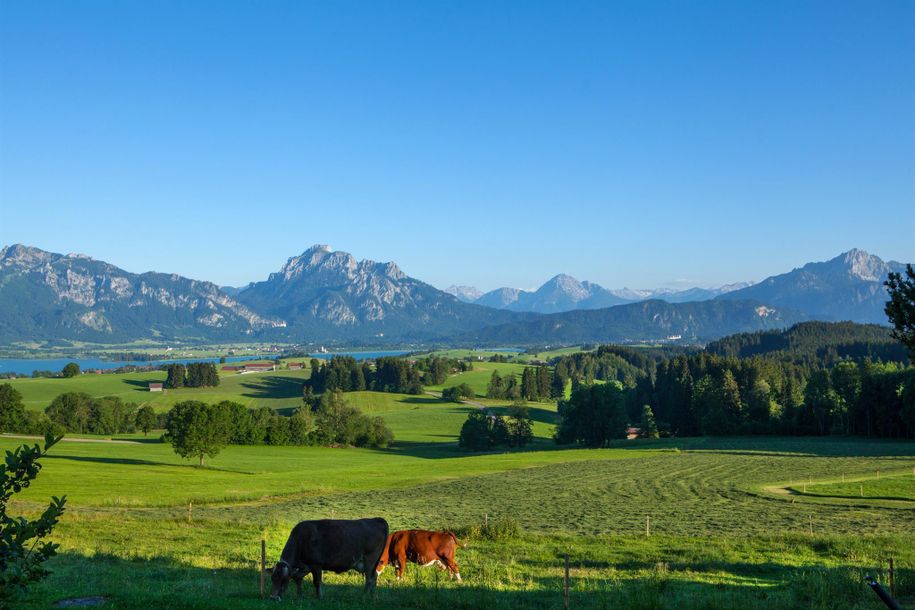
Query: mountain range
[
  {"x": 565, "y": 293},
  {"x": 47, "y": 296},
  {"x": 327, "y": 296}
]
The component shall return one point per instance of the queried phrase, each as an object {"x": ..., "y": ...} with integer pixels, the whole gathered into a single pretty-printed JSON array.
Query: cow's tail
[{"x": 456, "y": 541}]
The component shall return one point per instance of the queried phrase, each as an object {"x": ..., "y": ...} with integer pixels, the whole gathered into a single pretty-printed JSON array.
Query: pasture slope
[
  {"x": 735, "y": 522},
  {"x": 274, "y": 389}
]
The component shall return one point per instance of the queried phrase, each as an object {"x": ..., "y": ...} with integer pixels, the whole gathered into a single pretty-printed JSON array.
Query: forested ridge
[{"x": 811, "y": 379}]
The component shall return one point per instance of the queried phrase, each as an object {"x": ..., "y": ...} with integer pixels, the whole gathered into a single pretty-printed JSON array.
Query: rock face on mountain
[
  {"x": 847, "y": 287},
  {"x": 325, "y": 295},
  {"x": 44, "y": 295}
]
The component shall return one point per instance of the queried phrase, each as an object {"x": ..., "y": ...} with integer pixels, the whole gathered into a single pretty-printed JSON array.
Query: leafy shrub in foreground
[{"x": 22, "y": 549}]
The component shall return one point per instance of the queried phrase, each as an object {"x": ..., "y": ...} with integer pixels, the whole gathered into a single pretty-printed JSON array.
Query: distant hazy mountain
[
  {"x": 51, "y": 296},
  {"x": 468, "y": 294},
  {"x": 847, "y": 287},
  {"x": 643, "y": 321},
  {"x": 232, "y": 291},
  {"x": 328, "y": 295},
  {"x": 500, "y": 298},
  {"x": 565, "y": 293}
]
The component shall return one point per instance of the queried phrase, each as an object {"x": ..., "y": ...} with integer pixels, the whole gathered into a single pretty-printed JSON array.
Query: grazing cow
[
  {"x": 423, "y": 547},
  {"x": 329, "y": 544}
]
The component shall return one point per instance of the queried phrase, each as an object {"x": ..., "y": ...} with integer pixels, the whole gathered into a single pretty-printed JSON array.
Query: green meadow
[
  {"x": 274, "y": 389},
  {"x": 763, "y": 522}
]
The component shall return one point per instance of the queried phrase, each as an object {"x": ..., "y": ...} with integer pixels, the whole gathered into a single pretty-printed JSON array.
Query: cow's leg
[
  {"x": 298, "y": 585},
  {"x": 453, "y": 569},
  {"x": 371, "y": 578},
  {"x": 316, "y": 577},
  {"x": 401, "y": 564}
]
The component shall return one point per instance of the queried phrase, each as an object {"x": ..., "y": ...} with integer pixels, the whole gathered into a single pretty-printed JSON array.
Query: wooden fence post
[
  {"x": 565, "y": 588},
  {"x": 190, "y": 512},
  {"x": 263, "y": 566},
  {"x": 811, "y": 524},
  {"x": 647, "y": 526}
]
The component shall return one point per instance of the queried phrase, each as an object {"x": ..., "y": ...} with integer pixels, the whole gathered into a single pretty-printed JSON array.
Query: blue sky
[{"x": 487, "y": 143}]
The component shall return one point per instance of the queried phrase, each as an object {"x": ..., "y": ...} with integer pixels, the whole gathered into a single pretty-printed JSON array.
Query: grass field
[
  {"x": 277, "y": 389},
  {"x": 731, "y": 524},
  {"x": 479, "y": 377},
  {"x": 890, "y": 486}
]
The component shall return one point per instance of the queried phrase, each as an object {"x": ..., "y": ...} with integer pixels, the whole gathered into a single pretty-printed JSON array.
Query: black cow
[{"x": 329, "y": 544}]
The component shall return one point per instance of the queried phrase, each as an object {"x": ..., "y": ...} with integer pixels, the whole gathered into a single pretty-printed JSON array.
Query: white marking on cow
[{"x": 458, "y": 574}]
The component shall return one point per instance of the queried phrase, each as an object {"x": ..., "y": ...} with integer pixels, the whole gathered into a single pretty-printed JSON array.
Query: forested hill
[
  {"x": 648, "y": 320},
  {"x": 827, "y": 342}
]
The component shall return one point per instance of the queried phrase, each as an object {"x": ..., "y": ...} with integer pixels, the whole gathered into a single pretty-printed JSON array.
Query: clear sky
[{"x": 489, "y": 143}]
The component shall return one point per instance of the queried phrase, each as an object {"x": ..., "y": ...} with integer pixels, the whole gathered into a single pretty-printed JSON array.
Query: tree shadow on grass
[
  {"x": 164, "y": 582},
  {"x": 536, "y": 413},
  {"x": 422, "y": 400},
  {"x": 273, "y": 386},
  {"x": 135, "y": 462},
  {"x": 779, "y": 446},
  {"x": 140, "y": 385}
]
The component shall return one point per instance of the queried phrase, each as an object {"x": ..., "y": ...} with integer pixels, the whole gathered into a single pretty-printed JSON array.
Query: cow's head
[{"x": 279, "y": 579}]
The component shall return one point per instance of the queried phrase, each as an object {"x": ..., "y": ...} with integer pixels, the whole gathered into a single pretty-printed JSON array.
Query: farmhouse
[
  {"x": 230, "y": 368},
  {"x": 257, "y": 367},
  {"x": 155, "y": 386},
  {"x": 296, "y": 366}
]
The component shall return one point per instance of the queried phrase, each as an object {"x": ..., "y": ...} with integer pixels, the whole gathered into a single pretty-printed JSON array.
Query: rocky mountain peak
[
  {"x": 24, "y": 256},
  {"x": 565, "y": 284},
  {"x": 862, "y": 265}
]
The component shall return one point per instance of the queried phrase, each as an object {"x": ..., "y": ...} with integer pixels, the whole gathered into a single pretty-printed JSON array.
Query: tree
[
  {"x": 201, "y": 375},
  {"x": 520, "y": 426},
  {"x": 495, "y": 388},
  {"x": 145, "y": 419},
  {"x": 23, "y": 548},
  {"x": 820, "y": 402},
  {"x": 301, "y": 423},
  {"x": 458, "y": 393},
  {"x": 648, "y": 428},
  {"x": 544, "y": 381},
  {"x": 339, "y": 423},
  {"x": 278, "y": 430},
  {"x": 900, "y": 309},
  {"x": 175, "y": 376},
  {"x": 70, "y": 370},
  {"x": 12, "y": 409},
  {"x": 71, "y": 410},
  {"x": 196, "y": 429},
  {"x": 529, "y": 387},
  {"x": 759, "y": 406},
  {"x": 594, "y": 415},
  {"x": 476, "y": 432}
]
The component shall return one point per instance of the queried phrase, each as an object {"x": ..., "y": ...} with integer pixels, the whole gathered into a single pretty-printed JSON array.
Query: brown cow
[{"x": 423, "y": 547}]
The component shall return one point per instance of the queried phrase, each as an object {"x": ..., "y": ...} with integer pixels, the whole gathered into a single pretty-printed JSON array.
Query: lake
[{"x": 25, "y": 366}]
